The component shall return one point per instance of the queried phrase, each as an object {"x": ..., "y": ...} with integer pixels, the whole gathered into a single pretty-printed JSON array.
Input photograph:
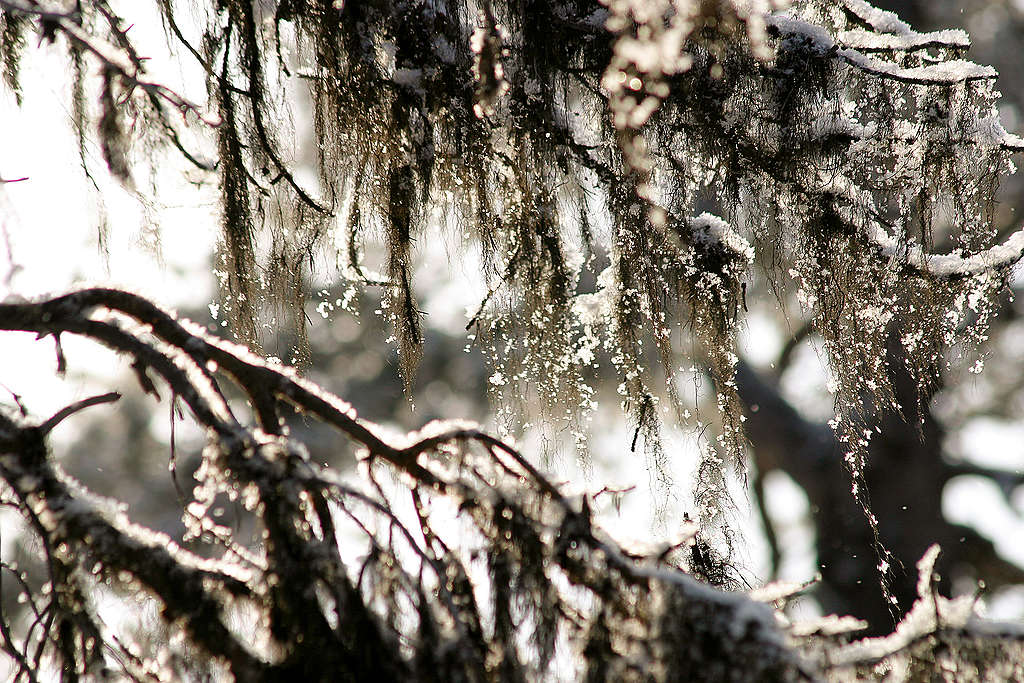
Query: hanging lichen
[{"x": 620, "y": 168}]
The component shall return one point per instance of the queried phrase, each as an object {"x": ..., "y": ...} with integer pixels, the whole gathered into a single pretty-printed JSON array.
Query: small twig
[
  {"x": 172, "y": 464},
  {"x": 607, "y": 490},
  {"x": 62, "y": 361},
  {"x": 64, "y": 413},
  {"x": 17, "y": 400}
]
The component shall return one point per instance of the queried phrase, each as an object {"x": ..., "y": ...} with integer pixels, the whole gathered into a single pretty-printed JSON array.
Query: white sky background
[{"x": 50, "y": 226}]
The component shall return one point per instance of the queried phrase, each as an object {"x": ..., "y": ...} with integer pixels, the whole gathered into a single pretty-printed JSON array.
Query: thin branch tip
[{"x": 66, "y": 412}]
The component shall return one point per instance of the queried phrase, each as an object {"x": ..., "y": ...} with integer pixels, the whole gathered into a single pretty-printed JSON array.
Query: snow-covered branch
[
  {"x": 850, "y": 44},
  {"x": 995, "y": 259},
  {"x": 538, "y": 540}
]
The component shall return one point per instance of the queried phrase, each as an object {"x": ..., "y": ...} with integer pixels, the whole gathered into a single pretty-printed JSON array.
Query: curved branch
[{"x": 66, "y": 412}]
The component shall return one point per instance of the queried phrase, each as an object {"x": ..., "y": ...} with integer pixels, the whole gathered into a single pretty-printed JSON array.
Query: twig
[{"x": 64, "y": 413}]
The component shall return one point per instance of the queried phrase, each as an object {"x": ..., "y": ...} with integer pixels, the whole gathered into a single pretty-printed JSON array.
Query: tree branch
[{"x": 70, "y": 410}]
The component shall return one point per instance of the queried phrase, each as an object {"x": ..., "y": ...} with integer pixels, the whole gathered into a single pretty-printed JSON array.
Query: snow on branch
[
  {"x": 949, "y": 266},
  {"x": 954, "y": 622},
  {"x": 409, "y": 606},
  {"x": 954, "y": 266},
  {"x": 940, "y": 73},
  {"x": 870, "y": 41},
  {"x": 711, "y": 231},
  {"x": 943, "y": 73},
  {"x": 937, "y": 633},
  {"x": 930, "y": 613},
  {"x": 882, "y": 21}
]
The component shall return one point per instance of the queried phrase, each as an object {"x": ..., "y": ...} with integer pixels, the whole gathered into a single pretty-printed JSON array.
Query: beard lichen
[{"x": 619, "y": 167}]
